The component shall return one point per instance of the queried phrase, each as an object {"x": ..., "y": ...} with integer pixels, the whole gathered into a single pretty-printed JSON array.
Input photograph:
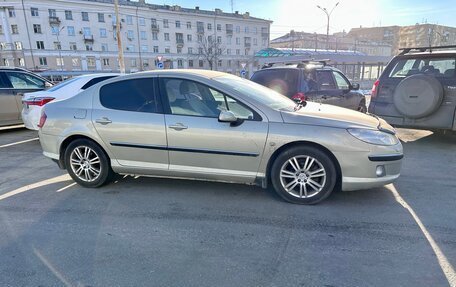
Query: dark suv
[
  {"x": 312, "y": 81},
  {"x": 14, "y": 82},
  {"x": 418, "y": 89}
]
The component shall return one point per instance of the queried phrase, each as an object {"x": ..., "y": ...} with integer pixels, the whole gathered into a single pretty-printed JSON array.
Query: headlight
[{"x": 374, "y": 136}]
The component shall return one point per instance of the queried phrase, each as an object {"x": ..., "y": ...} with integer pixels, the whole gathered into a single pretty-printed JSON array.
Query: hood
[{"x": 333, "y": 116}]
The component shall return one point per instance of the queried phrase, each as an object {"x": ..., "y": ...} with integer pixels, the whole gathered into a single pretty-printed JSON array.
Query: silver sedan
[{"x": 208, "y": 125}]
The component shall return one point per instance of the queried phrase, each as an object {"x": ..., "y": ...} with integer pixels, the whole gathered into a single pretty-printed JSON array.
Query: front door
[
  {"x": 327, "y": 92},
  {"x": 348, "y": 98},
  {"x": 128, "y": 116},
  {"x": 9, "y": 110},
  {"x": 199, "y": 145}
]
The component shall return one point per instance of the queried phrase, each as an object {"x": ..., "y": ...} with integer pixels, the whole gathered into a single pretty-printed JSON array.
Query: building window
[
  {"x": 89, "y": 47},
  {"x": 130, "y": 35},
  {"x": 101, "y": 17},
  {"x": 14, "y": 29},
  {"x": 1, "y": 30},
  {"x": 18, "y": 45},
  {"x": 21, "y": 62},
  {"x": 180, "y": 64},
  {"x": 133, "y": 62},
  {"x": 166, "y": 36},
  {"x": 43, "y": 61},
  {"x": 228, "y": 51},
  {"x": 165, "y": 23},
  {"x": 246, "y": 29},
  {"x": 200, "y": 38},
  {"x": 219, "y": 27},
  {"x": 11, "y": 12},
  {"x": 200, "y": 63},
  {"x": 189, "y": 25},
  {"x": 86, "y": 31},
  {"x": 238, "y": 29},
  {"x": 219, "y": 39},
  {"x": 40, "y": 45},
  {"x": 246, "y": 52},
  {"x": 155, "y": 49},
  {"x": 229, "y": 63},
  {"x": 167, "y": 50},
  {"x": 130, "y": 48},
  {"x": 6, "y": 63},
  {"x": 179, "y": 50},
  {"x": 75, "y": 62},
  {"x": 54, "y": 30},
  {"x": 57, "y": 46},
  {"x": 255, "y": 30},
  {"x": 219, "y": 63},
  {"x": 238, "y": 41},
  {"x": 85, "y": 16},
  {"x": 144, "y": 48},
  {"x": 129, "y": 20},
  {"x": 34, "y": 12},
  {"x": 106, "y": 62},
  {"x": 68, "y": 15},
  {"x": 238, "y": 52},
  {"x": 70, "y": 30},
  {"x": 209, "y": 26},
  {"x": 189, "y": 38},
  {"x": 59, "y": 61},
  {"x": 190, "y": 50},
  {"x": 200, "y": 51},
  {"x": 154, "y": 36},
  {"x": 104, "y": 47},
  {"x": 52, "y": 13},
  {"x": 91, "y": 62},
  {"x": 103, "y": 33},
  {"x": 255, "y": 41},
  {"x": 142, "y": 21},
  {"x": 178, "y": 24},
  {"x": 143, "y": 35},
  {"x": 190, "y": 63},
  {"x": 73, "y": 46}
]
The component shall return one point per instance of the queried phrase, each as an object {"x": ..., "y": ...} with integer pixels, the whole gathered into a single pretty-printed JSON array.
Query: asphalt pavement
[{"x": 161, "y": 232}]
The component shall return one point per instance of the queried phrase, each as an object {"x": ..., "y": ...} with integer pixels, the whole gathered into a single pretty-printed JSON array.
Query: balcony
[
  {"x": 88, "y": 38},
  {"x": 180, "y": 43},
  {"x": 53, "y": 20},
  {"x": 200, "y": 30},
  {"x": 155, "y": 27},
  {"x": 229, "y": 32},
  {"x": 247, "y": 44}
]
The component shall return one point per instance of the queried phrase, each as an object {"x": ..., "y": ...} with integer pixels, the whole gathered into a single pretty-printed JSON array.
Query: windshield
[
  {"x": 257, "y": 92},
  {"x": 62, "y": 84}
]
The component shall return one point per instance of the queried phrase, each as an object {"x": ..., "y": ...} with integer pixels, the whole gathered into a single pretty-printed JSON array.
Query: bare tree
[{"x": 209, "y": 49}]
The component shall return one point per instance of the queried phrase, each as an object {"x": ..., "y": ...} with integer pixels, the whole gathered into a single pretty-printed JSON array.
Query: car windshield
[
  {"x": 264, "y": 95},
  {"x": 62, "y": 84}
]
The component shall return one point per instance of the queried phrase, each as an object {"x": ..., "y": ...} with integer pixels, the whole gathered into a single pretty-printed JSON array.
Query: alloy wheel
[{"x": 85, "y": 163}]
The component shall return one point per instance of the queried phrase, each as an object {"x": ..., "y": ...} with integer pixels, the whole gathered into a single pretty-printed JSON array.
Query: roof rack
[
  {"x": 298, "y": 63},
  {"x": 424, "y": 49}
]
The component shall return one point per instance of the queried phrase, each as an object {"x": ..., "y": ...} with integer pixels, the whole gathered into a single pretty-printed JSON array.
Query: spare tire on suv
[{"x": 418, "y": 96}]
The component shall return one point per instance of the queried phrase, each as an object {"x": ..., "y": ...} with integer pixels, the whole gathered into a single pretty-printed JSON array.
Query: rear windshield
[
  {"x": 283, "y": 81},
  {"x": 438, "y": 67}
]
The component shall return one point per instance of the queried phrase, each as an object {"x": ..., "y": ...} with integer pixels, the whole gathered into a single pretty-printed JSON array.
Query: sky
[{"x": 303, "y": 15}]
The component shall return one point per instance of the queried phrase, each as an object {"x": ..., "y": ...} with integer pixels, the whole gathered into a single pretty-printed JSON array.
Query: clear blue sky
[{"x": 302, "y": 15}]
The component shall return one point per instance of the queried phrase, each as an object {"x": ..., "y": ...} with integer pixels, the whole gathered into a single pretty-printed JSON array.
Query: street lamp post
[
  {"x": 60, "y": 47},
  {"x": 328, "y": 15}
]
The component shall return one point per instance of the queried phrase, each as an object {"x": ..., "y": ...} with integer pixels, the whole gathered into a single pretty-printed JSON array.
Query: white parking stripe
[
  {"x": 25, "y": 188},
  {"x": 446, "y": 266},
  {"x": 66, "y": 187},
  {"x": 11, "y": 127},
  {"x": 16, "y": 143}
]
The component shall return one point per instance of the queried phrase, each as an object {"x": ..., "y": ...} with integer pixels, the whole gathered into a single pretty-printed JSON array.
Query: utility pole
[
  {"x": 119, "y": 40},
  {"x": 60, "y": 48},
  {"x": 328, "y": 15}
]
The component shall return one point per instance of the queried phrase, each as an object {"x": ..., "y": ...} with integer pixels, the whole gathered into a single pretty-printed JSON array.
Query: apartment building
[{"x": 80, "y": 35}]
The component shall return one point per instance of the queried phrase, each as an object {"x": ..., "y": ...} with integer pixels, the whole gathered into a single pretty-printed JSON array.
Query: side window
[
  {"x": 24, "y": 81},
  {"x": 437, "y": 67},
  {"x": 194, "y": 99},
  {"x": 325, "y": 80},
  {"x": 134, "y": 95},
  {"x": 95, "y": 81},
  {"x": 3, "y": 85},
  {"x": 342, "y": 83},
  {"x": 283, "y": 81}
]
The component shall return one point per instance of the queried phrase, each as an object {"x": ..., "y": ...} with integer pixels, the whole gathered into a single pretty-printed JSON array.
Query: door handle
[
  {"x": 178, "y": 127},
  {"x": 103, "y": 121}
]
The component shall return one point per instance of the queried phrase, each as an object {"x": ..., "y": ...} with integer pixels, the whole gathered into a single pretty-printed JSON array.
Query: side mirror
[
  {"x": 229, "y": 117},
  {"x": 355, "y": 86}
]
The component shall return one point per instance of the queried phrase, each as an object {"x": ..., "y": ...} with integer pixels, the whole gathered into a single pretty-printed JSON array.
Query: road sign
[
  {"x": 160, "y": 65},
  {"x": 243, "y": 72},
  {"x": 243, "y": 65},
  {"x": 159, "y": 58}
]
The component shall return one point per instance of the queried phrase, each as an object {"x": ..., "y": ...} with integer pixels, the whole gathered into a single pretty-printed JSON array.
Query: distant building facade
[{"x": 80, "y": 35}]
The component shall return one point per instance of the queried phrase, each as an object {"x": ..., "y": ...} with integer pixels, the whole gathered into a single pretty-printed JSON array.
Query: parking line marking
[
  {"x": 25, "y": 188},
  {"x": 445, "y": 265},
  {"x": 66, "y": 187},
  {"x": 16, "y": 143},
  {"x": 12, "y": 127}
]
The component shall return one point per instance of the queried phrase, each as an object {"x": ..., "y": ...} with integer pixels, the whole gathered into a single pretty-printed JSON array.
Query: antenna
[{"x": 232, "y": 5}]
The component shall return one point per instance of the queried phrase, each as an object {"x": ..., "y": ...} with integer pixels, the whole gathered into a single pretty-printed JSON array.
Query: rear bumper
[{"x": 31, "y": 118}]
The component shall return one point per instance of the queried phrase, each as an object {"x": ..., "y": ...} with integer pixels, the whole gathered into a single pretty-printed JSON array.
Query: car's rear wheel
[
  {"x": 303, "y": 175},
  {"x": 87, "y": 163},
  {"x": 362, "y": 107}
]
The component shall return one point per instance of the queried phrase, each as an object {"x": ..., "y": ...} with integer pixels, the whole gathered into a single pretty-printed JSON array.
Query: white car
[{"x": 32, "y": 103}]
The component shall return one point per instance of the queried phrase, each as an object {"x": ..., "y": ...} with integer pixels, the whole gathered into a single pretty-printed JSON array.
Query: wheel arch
[
  {"x": 66, "y": 142},
  {"x": 304, "y": 143}
]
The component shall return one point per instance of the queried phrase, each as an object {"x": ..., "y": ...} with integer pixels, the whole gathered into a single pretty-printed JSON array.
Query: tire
[
  {"x": 284, "y": 164},
  {"x": 77, "y": 151},
  {"x": 418, "y": 96},
  {"x": 362, "y": 108}
]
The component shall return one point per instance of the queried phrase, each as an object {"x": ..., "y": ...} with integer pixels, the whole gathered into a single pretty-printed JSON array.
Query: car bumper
[{"x": 31, "y": 117}]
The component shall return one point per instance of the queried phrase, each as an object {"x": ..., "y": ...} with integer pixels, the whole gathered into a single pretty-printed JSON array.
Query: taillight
[
  {"x": 299, "y": 96},
  {"x": 42, "y": 119},
  {"x": 374, "y": 91},
  {"x": 39, "y": 101}
]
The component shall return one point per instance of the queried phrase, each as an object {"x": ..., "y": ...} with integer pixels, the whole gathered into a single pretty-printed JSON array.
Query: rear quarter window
[
  {"x": 437, "y": 67},
  {"x": 95, "y": 81},
  {"x": 283, "y": 81}
]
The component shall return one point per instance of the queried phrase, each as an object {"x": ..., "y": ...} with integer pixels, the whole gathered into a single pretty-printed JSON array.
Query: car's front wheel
[
  {"x": 87, "y": 163},
  {"x": 303, "y": 175}
]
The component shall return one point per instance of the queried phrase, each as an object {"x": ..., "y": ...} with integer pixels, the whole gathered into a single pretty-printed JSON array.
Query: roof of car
[
  {"x": 12, "y": 68},
  {"x": 204, "y": 73},
  {"x": 429, "y": 53},
  {"x": 313, "y": 67}
]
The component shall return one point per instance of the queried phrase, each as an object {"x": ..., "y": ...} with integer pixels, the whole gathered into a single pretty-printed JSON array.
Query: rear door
[
  {"x": 22, "y": 83},
  {"x": 129, "y": 118},
  {"x": 9, "y": 110}
]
